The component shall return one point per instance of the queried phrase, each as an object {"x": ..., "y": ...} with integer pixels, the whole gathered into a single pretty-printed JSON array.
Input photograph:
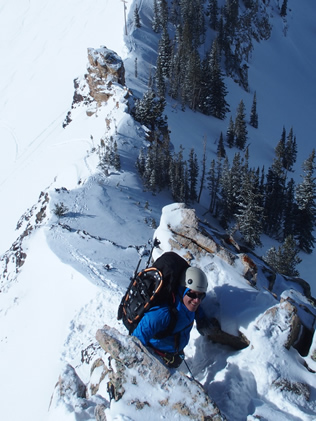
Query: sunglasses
[{"x": 194, "y": 295}]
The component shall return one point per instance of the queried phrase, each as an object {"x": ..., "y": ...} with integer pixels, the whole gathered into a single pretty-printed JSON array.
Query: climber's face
[{"x": 192, "y": 299}]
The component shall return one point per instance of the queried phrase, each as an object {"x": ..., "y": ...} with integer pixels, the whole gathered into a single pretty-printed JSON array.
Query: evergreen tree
[
  {"x": 283, "y": 10},
  {"x": 230, "y": 134},
  {"x": 237, "y": 176},
  {"x": 191, "y": 87},
  {"x": 178, "y": 177},
  {"x": 156, "y": 22},
  {"x": 140, "y": 162},
  {"x": 160, "y": 79},
  {"x": 214, "y": 175},
  {"x": 136, "y": 17},
  {"x": 217, "y": 104},
  {"x": 290, "y": 152},
  {"x": 193, "y": 176},
  {"x": 280, "y": 149},
  {"x": 250, "y": 213},
  {"x": 253, "y": 113},
  {"x": 205, "y": 86},
  {"x": 231, "y": 17},
  {"x": 202, "y": 179},
  {"x": 221, "y": 153},
  {"x": 212, "y": 10},
  {"x": 164, "y": 14},
  {"x": 149, "y": 109},
  {"x": 285, "y": 259},
  {"x": 227, "y": 198},
  {"x": 305, "y": 198},
  {"x": 164, "y": 52},
  {"x": 290, "y": 209},
  {"x": 241, "y": 127},
  {"x": 116, "y": 157},
  {"x": 274, "y": 198}
]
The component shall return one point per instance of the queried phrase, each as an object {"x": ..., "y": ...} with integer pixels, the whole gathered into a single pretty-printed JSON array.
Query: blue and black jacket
[{"x": 158, "y": 319}]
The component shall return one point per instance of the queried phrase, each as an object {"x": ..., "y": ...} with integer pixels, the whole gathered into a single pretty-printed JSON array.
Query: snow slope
[{"x": 76, "y": 271}]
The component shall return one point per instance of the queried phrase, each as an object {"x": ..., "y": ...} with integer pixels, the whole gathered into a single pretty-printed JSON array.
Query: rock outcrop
[
  {"x": 129, "y": 376},
  {"x": 105, "y": 69}
]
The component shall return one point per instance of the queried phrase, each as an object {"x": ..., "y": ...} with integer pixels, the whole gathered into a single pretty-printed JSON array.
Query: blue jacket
[{"x": 157, "y": 319}]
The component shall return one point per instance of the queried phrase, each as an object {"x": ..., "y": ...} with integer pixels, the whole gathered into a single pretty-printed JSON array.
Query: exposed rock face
[
  {"x": 282, "y": 320},
  {"x": 105, "y": 64},
  {"x": 13, "y": 259},
  {"x": 125, "y": 369},
  {"x": 135, "y": 363},
  {"x": 105, "y": 68}
]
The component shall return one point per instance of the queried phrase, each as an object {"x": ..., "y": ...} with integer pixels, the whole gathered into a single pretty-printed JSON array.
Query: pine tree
[
  {"x": 283, "y": 10},
  {"x": 136, "y": 17},
  {"x": 253, "y": 113},
  {"x": 290, "y": 209},
  {"x": 305, "y": 198},
  {"x": 241, "y": 127},
  {"x": 274, "y": 198},
  {"x": 202, "y": 179},
  {"x": 212, "y": 10},
  {"x": 221, "y": 153},
  {"x": 164, "y": 52},
  {"x": 205, "y": 86},
  {"x": 140, "y": 162},
  {"x": 250, "y": 213},
  {"x": 290, "y": 152},
  {"x": 116, "y": 157},
  {"x": 227, "y": 198},
  {"x": 193, "y": 175},
  {"x": 285, "y": 259},
  {"x": 280, "y": 149},
  {"x": 178, "y": 177},
  {"x": 191, "y": 87},
  {"x": 230, "y": 134},
  {"x": 156, "y": 22},
  {"x": 160, "y": 79},
  {"x": 149, "y": 109},
  {"x": 231, "y": 17},
  {"x": 214, "y": 175},
  {"x": 216, "y": 101}
]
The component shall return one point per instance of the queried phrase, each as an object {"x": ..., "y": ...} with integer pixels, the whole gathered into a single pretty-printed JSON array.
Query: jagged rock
[
  {"x": 134, "y": 362},
  {"x": 71, "y": 391},
  {"x": 217, "y": 335},
  {"x": 105, "y": 67},
  {"x": 70, "y": 387},
  {"x": 189, "y": 233},
  {"x": 282, "y": 319},
  {"x": 131, "y": 353},
  {"x": 12, "y": 260},
  {"x": 300, "y": 389}
]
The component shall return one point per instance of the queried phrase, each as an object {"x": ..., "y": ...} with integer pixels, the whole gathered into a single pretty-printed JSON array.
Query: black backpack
[{"x": 156, "y": 285}]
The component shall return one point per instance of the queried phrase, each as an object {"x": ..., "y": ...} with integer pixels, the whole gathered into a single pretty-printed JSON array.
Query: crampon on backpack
[{"x": 155, "y": 285}]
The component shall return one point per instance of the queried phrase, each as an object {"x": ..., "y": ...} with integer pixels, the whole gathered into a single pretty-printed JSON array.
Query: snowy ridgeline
[{"x": 271, "y": 378}]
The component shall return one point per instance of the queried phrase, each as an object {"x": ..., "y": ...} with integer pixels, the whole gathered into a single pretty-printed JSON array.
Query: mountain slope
[{"x": 77, "y": 268}]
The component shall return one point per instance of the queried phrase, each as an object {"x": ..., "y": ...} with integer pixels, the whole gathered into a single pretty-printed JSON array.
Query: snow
[{"x": 78, "y": 266}]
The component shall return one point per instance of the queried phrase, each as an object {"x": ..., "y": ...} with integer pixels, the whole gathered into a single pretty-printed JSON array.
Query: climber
[{"x": 166, "y": 329}]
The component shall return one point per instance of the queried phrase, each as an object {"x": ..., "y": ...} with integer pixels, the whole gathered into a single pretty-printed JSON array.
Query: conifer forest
[{"x": 254, "y": 201}]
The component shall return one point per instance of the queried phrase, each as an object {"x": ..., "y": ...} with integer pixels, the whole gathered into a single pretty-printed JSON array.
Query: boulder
[{"x": 131, "y": 363}]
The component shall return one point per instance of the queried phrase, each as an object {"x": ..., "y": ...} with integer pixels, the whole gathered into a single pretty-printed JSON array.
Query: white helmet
[{"x": 195, "y": 279}]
